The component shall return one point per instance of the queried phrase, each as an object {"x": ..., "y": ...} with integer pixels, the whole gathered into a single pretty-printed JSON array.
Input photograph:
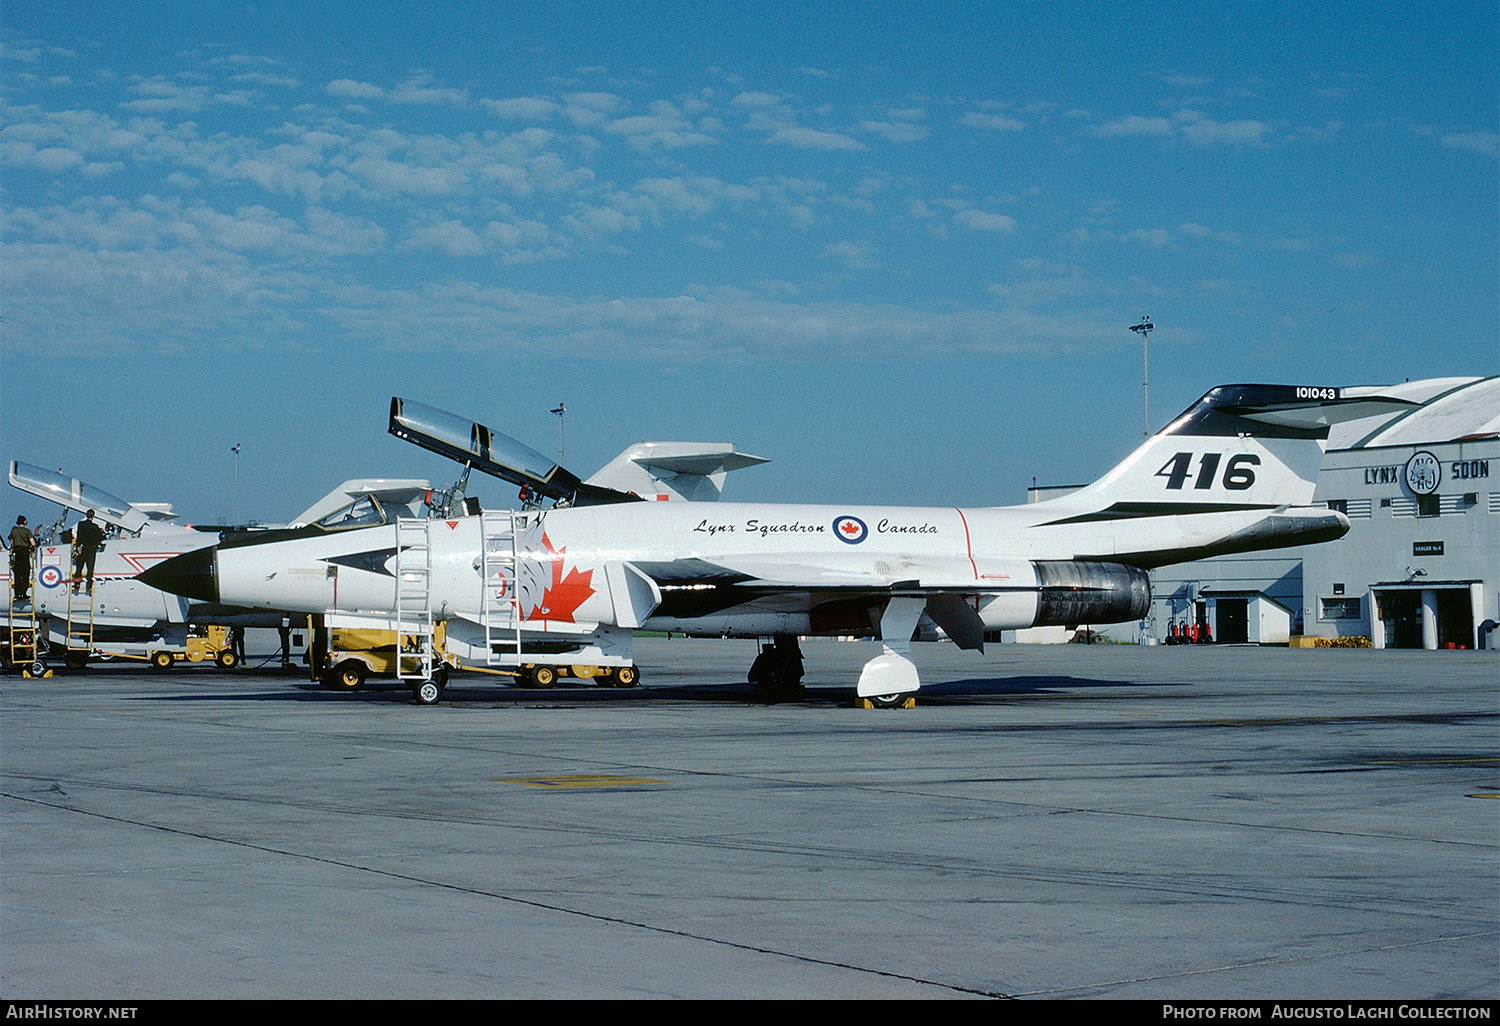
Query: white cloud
[
  {"x": 450, "y": 237},
  {"x": 852, "y": 255},
  {"x": 1201, "y": 131},
  {"x": 815, "y": 139},
  {"x": 1156, "y": 238},
  {"x": 983, "y": 221},
  {"x": 755, "y": 100},
  {"x": 1190, "y": 125},
  {"x": 352, "y": 90},
  {"x": 1487, "y": 143},
  {"x": 50, "y": 160},
  {"x": 896, "y": 131},
  {"x": 523, "y": 108},
  {"x": 976, "y": 119},
  {"x": 585, "y": 109},
  {"x": 419, "y": 90},
  {"x": 1136, "y": 125},
  {"x": 664, "y": 126}
]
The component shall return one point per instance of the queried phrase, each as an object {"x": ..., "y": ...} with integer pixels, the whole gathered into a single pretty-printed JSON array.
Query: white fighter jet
[
  {"x": 569, "y": 584},
  {"x": 124, "y": 616}
]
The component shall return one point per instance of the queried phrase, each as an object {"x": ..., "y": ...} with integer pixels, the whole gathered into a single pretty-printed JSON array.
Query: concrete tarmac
[{"x": 1049, "y": 822}]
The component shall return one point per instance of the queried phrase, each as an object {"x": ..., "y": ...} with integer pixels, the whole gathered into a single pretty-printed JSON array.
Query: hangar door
[{"x": 1400, "y": 611}]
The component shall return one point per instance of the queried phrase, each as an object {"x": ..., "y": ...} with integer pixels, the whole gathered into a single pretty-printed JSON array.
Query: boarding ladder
[
  {"x": 80, "y": 629},
  {"x": 500, "y": 610},
  {"x": 21, "y": 626},
  {"x": 416, "y": 653}
]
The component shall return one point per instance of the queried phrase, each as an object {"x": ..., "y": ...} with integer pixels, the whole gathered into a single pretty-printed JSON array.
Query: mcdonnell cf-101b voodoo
[{"x": 569, "y": 583}]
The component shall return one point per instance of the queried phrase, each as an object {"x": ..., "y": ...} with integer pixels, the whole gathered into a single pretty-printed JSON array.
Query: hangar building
[{"x": 1420, "y": 566}]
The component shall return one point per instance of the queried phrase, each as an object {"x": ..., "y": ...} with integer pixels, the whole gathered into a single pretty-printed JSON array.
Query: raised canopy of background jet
[{"x": 78, "y": 495}]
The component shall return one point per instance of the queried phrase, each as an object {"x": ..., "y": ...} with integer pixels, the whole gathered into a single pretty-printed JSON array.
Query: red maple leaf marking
[
  {"x": 560, "y": 601},
  {"x": 849, "y": 527}
]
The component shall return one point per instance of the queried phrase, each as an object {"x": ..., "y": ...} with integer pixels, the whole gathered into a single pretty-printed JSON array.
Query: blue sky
[{"x": 895, "y": 247}]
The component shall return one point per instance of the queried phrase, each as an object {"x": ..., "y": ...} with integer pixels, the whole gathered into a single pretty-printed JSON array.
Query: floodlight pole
[
  {"x": 1145, "y": 329},
  {"x": 1148, "y": 625},
  {"x": 236, "y": 451},
  {"x": 561, "y": 409}
]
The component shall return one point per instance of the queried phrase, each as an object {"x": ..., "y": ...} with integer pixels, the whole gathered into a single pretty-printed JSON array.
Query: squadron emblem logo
[{"x": 850, "y": 529}]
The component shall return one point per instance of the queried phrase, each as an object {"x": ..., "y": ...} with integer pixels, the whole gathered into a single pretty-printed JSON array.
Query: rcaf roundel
[{"x": 850, "y": 529}]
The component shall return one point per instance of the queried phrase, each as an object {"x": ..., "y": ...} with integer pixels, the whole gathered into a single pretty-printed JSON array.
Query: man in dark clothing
[
  {"x": 87, "y": 539},
  {"x": 22, "y": 543}
]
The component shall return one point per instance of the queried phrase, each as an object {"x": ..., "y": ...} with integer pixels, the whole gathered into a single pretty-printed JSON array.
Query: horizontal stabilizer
[
  {"x": 1295, "y": 411},
  {"x": 693, "y": 471}
]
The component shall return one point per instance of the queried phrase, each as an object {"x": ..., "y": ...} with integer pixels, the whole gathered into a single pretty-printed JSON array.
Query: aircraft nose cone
[{"x": 191, "y": 575}]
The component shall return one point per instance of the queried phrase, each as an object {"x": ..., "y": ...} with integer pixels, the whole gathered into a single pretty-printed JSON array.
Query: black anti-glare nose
[{"x": 191, "y": 575}]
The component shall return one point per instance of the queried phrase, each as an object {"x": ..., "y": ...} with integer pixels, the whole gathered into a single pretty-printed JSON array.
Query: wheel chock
[{"x": 909, "y": 702}]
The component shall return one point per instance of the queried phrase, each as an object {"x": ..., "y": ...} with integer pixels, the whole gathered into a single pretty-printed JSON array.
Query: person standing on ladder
[
  {"x": 86, "y": 542},
  {"x": 22, "y": 543}
]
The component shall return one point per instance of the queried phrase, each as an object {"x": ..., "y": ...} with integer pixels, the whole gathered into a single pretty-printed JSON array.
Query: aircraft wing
[{"x": 494, "y": 453}]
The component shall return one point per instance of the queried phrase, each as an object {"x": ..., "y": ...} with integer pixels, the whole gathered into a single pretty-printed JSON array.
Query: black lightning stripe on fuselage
[
  {"x": 372, "y": 562},
  {"x": 1136, "y": 510}
]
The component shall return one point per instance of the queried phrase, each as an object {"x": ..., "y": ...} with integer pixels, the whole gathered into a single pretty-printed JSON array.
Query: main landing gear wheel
[
  {"x": 427, "y": 692},
  {"x": 161, "y": 660},
  {"x": 895, "y": 701},
  {"x": 348, "y": 675},
  {"x": 777, "y": 671}
]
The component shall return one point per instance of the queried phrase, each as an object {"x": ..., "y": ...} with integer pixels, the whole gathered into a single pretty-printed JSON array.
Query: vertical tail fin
[{"x": 1239, "y": 447}]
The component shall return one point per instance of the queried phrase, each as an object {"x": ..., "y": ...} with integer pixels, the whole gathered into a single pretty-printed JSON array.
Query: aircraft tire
[
  {"x": 162, "y": 659},
  {"x": 38, "y": 669},
  {"x": 427, "y": 692},
  {"x": 348, "y": 675},
  {"x": 890, "y": 701}
]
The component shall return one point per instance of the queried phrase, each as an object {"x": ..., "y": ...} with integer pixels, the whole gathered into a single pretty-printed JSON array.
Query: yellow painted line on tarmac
[{"x": 579, "y": 780}]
